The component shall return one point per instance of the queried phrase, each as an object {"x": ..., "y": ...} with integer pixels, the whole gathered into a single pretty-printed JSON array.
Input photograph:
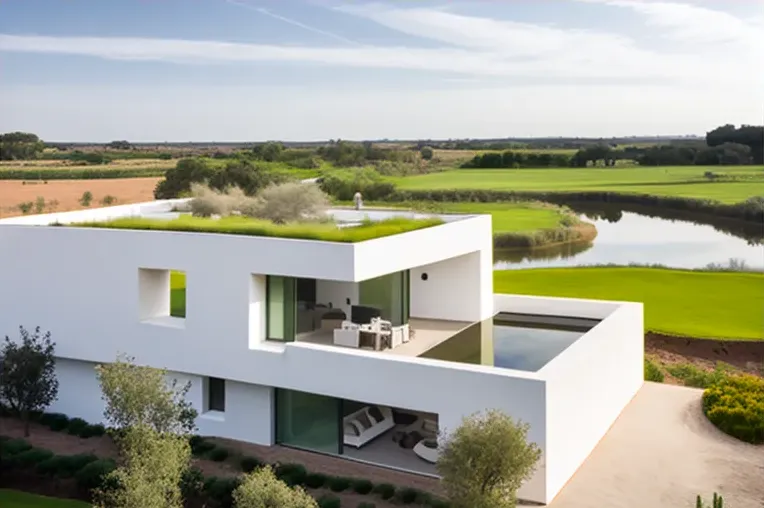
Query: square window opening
[{"x": 162, "y": 295}]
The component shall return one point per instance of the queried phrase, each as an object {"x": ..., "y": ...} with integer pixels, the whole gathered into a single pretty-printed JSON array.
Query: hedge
[
  {"x": 736, "y": 406},
  {"x": 78, "y": 173}
]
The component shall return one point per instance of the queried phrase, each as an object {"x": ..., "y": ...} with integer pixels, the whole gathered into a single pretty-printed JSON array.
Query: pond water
[
  {"x": 512, "y": 341},
  {"x": 629, "y": 237}
]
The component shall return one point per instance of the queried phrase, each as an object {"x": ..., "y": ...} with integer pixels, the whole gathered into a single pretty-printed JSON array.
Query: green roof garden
[{"x": 321, "y": 231}]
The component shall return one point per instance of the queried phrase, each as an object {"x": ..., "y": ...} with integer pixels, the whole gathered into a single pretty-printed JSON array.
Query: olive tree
[
  {"x": 28, "y": 374},
  {"x": 261, "y": 489},
  {"x": 142, "y": 396},
  {"x": 485, "y": 461},
  {"x": 290, "y": 202},
  {"x": 153, "y": 465}
]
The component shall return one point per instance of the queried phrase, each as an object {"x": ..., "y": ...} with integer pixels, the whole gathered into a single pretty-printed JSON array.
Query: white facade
[{"x": 99, "y": 292}]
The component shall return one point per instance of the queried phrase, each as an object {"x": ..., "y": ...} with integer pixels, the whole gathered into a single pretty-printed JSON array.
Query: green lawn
[
  {"x": 178, "y": 294},
  {"x": 524, "y": 217},
  {"x": 16, "y": 499},
  {"x": 684, "y": 181},
  {"x": 694, "y": 304}
]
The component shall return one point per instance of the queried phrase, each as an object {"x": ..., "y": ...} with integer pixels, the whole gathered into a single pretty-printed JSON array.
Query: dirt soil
[
  {"x": 66, "y": 444},
  {"x": 64, "y": 195},
  {"x": 746, "y": 355}
]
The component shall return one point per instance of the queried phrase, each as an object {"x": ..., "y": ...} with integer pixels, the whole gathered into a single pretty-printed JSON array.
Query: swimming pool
[{"x": 513, "y": 341}]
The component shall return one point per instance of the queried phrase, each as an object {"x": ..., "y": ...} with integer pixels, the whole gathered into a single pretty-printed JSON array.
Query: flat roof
[{"x": 349, "y": 225}]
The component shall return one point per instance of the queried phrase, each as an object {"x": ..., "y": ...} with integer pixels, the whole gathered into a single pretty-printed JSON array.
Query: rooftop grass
[
  {"x": 16, "y": 499},
  {"x": 327, "y": 232},
  {"x": 698, "y": 304}
]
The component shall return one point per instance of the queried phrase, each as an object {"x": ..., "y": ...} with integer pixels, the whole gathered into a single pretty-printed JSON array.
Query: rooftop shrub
[{"x": 252, "y": 227}]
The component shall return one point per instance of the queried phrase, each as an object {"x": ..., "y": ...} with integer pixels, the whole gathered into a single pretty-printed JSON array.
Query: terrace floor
[
  {"x": 428, "y": 333},
  {"x": 663, "y": 452}
]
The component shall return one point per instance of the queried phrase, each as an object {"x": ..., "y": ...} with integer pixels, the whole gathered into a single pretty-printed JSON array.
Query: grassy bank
[
  {"x": 694, "y": 304},
  {"x": 742, "y": 182},
  {"x": 16, "y": 499},
  {"x": 517, "y": 224}
]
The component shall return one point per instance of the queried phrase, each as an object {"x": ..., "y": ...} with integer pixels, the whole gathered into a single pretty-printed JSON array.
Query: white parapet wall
[{"x": 590, "y": 382}]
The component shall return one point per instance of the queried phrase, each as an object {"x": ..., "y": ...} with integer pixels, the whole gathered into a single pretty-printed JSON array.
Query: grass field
[
  {"x": 507, "y": 217},
  {"x": 721, "y": 305},
  {"x": 683, "y": 181},
  {"x": 16, "y": 499},
  {"x": 178, "y": 294}
]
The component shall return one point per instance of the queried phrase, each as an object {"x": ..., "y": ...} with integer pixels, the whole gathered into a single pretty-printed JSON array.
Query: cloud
[
  {"x": 292, "y": 22},
  {"x": 475, "y": 46}
]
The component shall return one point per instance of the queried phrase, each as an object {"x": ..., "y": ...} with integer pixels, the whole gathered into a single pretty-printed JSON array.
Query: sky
[{"x": 254, "y": 70}]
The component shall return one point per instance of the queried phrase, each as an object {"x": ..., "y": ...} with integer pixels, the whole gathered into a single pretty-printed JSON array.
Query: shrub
[
  {"x": 199, "y": 446},
  {"x": 249, "y": 464},
  {"x": 290, "y": 202},
  {"x": 364, "y": 504},
  {"x": 329, "y": 501},
  {"x": 261, "y": 489},
  {"x": 218, "y": 454},
  {"x": 736, "y": 406},
  {"x": 192, "y": 482},
  {"x": 15, "y": 446},
  {"x": 316, "y": 480},
  {"x": 384, "y": 490},
  {"x": 339, "y": 484},
  {"x": 407, "y": 495},
  {"x": 291, "y": 474},
  {"x": 344, "y": 184},
  {"x": 49, "y": 466},
  {"x": 221, "y": 489},
  {"x": 25, "y": 207},
  {"x": 426, "y": 152},
  {"x": 697, "y": 377},
  {"x": 362, "y": 487},
  {"x": 32, "y": 457},
  {"x": 92, "y": 475},
  {"x": 76, "y": 426},
  {"x": 56, "y": 421},
  {"x": 86, "y": 198},
  {"x": 653, "y": 372},
  {"x": 207, "y": 202},
  {"x": 96, "y": 430},
  {"x": 108, "y": 200}
]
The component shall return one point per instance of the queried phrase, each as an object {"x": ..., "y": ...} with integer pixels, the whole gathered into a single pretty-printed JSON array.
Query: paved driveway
[{"x": 661, "y": 453}]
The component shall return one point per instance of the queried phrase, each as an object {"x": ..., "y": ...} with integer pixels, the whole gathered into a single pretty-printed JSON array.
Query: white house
[{"x": 364, "y": 350}]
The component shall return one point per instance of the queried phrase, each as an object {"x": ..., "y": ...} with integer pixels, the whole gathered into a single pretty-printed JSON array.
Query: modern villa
[{"x": 365, "y": 350}]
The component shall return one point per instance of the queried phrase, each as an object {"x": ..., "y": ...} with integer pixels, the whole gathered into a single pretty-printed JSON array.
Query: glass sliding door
[
  {"x": 308, "y": 421},
  {"x": 390, "y": 294},
  {"x": 281, "y": 302}
]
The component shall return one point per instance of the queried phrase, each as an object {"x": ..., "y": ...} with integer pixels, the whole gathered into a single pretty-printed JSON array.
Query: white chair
[{"x": 348, "y": 335}]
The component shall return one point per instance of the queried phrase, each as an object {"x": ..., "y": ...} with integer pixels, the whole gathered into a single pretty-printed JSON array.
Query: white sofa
[{"x": 363, "y": 425}]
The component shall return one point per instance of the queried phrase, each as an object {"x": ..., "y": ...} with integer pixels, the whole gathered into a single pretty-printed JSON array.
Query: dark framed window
[{"x": 215, "y": 394}]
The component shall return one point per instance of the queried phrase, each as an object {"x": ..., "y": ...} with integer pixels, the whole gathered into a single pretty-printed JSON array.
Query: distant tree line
[{"x": 510, "y": 159}]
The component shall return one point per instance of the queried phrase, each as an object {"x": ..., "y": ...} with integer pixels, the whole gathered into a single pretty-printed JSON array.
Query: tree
[
  {"x": 485, "y": 460},
  {"x": 137, "y": 395},
  {"x": 427, "y": 153},
  {"x": 153, "y": 467},
  {"x": 261, "y": 489},
  {"x": 20, "y": 146},
  {"x": 28, "y": 374}
]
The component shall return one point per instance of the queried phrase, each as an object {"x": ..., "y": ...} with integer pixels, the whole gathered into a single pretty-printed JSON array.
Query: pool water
[{"x": 513, "y": 341}]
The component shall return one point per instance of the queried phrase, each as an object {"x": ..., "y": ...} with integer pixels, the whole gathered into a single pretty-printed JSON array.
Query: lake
[{"x": 628, "y": 237}]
